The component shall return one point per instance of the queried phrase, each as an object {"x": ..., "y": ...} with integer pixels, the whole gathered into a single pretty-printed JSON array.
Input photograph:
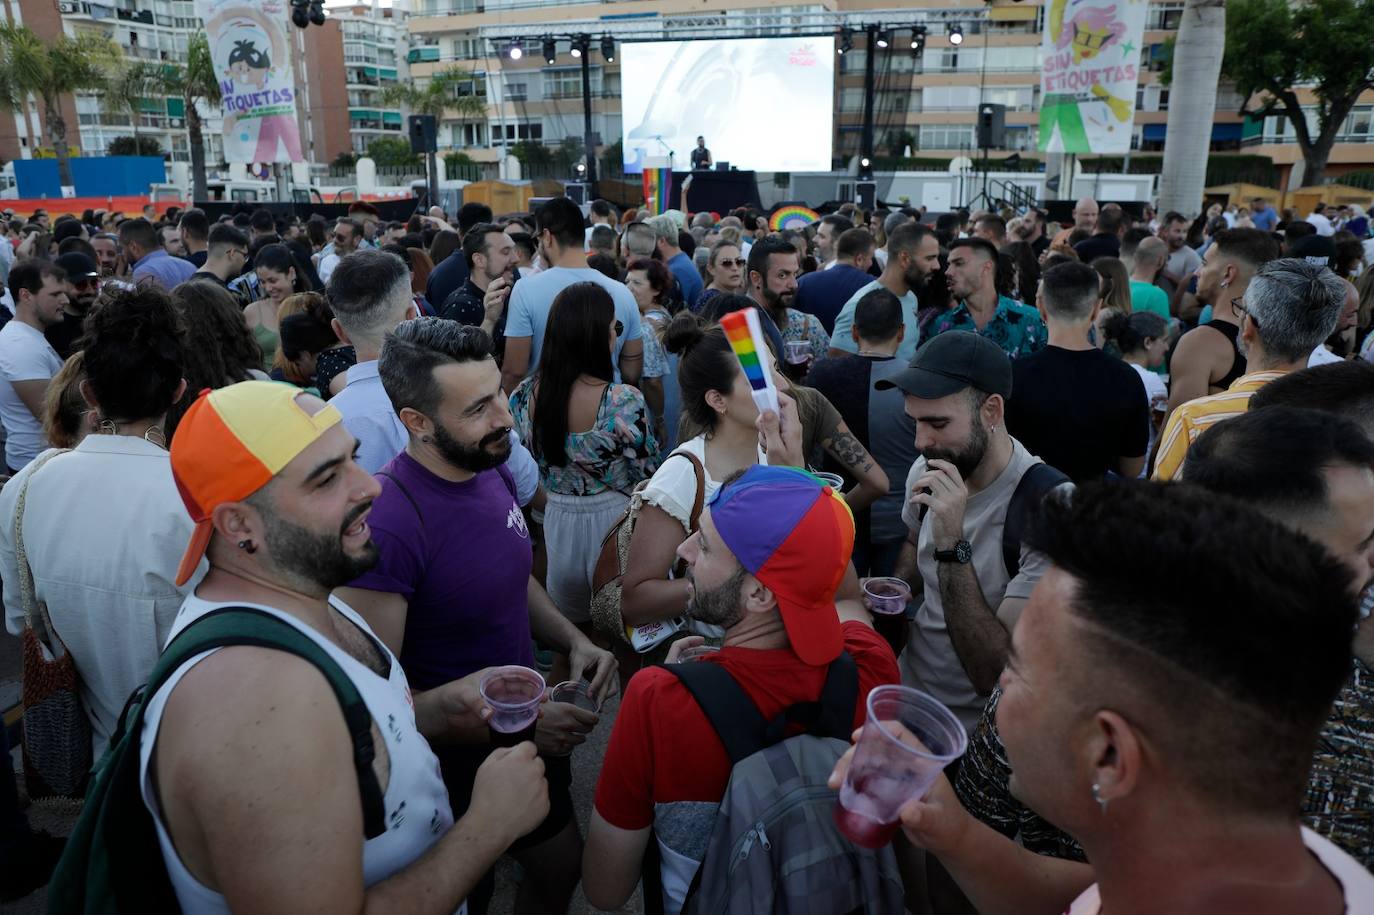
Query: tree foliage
[
  {"x": 134, "y": 146},
  {"x": 1273, "y": 47},
  {"x": 446, "y": 93},
  {"x": 392, "y": 152}
]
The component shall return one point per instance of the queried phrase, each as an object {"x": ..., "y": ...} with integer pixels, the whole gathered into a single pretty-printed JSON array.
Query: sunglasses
[
  {"x": 726, "y": 262},
  {"x": 619, "y": 328},
  {"x": 86, "y": 283}
]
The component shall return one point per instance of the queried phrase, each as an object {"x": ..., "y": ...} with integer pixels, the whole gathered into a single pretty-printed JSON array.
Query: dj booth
[{"x": 718, "y": 192}]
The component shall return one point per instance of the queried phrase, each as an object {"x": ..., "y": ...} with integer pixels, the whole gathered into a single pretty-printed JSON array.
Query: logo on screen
[{"x": 805, "y": 56}]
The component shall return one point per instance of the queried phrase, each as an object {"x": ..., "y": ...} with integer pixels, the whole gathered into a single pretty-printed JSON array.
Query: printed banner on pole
[
  {"x": 1088, "y": 79},
  {"x": 658, "y": 189},
  {"x": 250, "y": 45}
]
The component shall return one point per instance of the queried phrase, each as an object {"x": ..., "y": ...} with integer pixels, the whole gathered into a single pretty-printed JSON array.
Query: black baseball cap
[
  {"x": 951, "y": 362},
  {"x": 1317, "y": 250},
  {"x": 77, "y": 266}
]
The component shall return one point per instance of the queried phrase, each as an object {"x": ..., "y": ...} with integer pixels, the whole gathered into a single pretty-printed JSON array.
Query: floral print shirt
[
  {"x": 805, "y": 328},
  {"x": 1015, "y": 327},
  {"x": 618, "y": 452}
]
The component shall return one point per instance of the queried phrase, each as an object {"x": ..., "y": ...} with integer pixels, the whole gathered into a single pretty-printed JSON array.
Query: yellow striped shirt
[{"x": 1194, "y": 417}]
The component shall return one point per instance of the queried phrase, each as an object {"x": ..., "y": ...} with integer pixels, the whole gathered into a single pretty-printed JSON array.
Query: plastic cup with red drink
[
  {"x": 908, "y": 738},
  {"x": 514, "y": 695},
  {"x": 888, "y": 599}
]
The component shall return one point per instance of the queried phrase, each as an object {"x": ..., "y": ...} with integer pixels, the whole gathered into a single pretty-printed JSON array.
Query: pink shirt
[{"x": 1356, "y": 883}]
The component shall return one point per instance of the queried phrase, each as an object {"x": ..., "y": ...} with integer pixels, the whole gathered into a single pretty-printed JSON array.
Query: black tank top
[{"x": 1231, "y": 332}]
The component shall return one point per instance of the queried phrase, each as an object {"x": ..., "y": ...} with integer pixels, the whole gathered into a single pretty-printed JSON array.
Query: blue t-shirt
[
  {"x": 1265, "y": 219},
  {"x": 460, "y": 555},
  {"x": 688, "y": 277},
  {"x": 527, "y": 313},
  {"x": 843, "y": 337}
]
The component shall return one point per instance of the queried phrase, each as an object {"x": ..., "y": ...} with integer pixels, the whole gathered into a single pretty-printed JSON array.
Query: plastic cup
[
  {"x": 833, "y": 480},
  {"x": 514, "y": 694},
  {"x": 797, "y": 352},
  {"x": 575, "y": 692},
  {"x": 888, "y": 598},
  {"x": 907, "y": 740},
  {"x": 697, "y": 653}
]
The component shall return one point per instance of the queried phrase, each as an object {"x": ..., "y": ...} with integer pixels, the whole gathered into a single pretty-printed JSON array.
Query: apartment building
[{"x": 926, "y": 101}]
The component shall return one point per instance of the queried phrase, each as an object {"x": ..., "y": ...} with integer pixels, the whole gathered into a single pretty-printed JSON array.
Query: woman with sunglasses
[
  {"x": 725, "y": 271},
  {"x": 590, "y": 436}
]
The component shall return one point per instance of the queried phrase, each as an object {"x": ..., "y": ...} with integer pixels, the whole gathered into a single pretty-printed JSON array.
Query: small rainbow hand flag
[
  {"x": 745, "y": 334},
  {"x": 792, "y": 217}
]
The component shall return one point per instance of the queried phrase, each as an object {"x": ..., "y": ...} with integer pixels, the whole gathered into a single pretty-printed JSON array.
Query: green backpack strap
[{"x": 113, "y": 862}]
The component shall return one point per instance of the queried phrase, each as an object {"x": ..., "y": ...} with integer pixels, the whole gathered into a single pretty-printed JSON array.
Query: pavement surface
[{"x": 586, "y": 764}]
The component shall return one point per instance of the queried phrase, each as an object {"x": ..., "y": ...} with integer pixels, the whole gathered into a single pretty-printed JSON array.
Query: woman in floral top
[{"x": 590, "y": 436}]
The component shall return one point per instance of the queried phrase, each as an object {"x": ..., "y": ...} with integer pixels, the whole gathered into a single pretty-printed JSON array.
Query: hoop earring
[{"x": 107, "y": 426}]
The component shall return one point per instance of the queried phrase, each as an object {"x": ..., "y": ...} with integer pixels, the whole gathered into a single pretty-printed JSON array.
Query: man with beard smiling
[
  {"x": 246, "y": 762},
  {"x": 765, "y": 564},
  {"x": 913, "y": 255},
  {"x": 960, "y": 494},
  {"x": 772, "y": 282},
  {"x": 452, "y": 591}
]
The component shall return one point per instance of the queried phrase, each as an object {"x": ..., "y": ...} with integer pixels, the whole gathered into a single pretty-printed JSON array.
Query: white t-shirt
[
  {"x": 673, "y": 488},
  {"x": 1322, "y": 224},
  {"x": 327, "y": 265},
  {"x": 1322, "y": 356},
  {"x": 1158, "y": 396},
  {"x": 25, "y": 355}
]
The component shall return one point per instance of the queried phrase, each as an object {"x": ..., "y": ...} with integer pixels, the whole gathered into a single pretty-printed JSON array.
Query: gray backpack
[{"x": 774, "y": 847}]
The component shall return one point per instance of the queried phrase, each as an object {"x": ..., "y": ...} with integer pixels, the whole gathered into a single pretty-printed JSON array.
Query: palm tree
[
  {"x": 133, "y": 84},
  {"x": 50, "y": 71},
  {"x": 197, "y": 82},
  {"x": 438, "y": 97},
  {"x": 1196, "y": 67}
]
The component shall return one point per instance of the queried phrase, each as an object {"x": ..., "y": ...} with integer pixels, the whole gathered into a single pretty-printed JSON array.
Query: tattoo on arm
[{"x": 849, "y": 451}]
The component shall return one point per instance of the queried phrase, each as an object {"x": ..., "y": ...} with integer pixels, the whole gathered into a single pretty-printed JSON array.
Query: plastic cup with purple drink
[
  {"x": 888, "y": 598},
  {"x": 575, "y": 692},
  {"x": 908, "y": 738},
  {"x": 514, "y": 694}
]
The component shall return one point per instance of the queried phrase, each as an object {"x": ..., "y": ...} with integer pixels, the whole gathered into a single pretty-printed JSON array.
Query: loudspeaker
[
  {"x": 866, "y": 194},
  {"x": 992, "y": 126},
  {"x": 424, "y": 133},
  {"x": 576, "y": 191}
]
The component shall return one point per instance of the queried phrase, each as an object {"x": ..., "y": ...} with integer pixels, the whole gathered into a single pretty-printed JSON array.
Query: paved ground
[{"x": 586, "y": 763}]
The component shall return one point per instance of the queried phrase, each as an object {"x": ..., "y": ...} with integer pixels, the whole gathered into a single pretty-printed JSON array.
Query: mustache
[
  {"x": 352, "y": 517},
  {"x": 493, "y": 437}
]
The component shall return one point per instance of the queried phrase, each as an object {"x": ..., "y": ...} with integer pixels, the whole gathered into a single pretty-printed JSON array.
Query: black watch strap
[{"x": 962, "y": 553}]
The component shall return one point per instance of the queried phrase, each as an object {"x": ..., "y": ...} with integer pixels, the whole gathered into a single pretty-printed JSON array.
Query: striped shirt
[{"x": 1196, "y": 416}]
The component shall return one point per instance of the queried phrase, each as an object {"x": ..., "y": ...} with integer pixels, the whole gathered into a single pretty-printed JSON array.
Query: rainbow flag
[
  {"x": 745, "y": 334},
  {"x": 658, "y": 189}
]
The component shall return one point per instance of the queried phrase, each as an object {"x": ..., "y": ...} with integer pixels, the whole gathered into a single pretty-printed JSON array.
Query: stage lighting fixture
[
  {"x": 317, "y": 12},
  {"x": 918, "y": 38},
  {"x": 846, "y": 41},
  {"x": 577, "y": 46},
  {"x": 884, "y": 38},
  {"x": 956, "y": 34},
  {"x": 581, "y": 170},
  {"x": 300, "y": 14},
  {"x": 864, "y": 162},
  {"x": 608, "y": 48},
  {"x": 550, "y": 51},
  {"x": 516, "y": 51}
]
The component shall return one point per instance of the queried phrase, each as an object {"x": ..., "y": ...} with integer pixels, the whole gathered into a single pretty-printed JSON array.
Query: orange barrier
[{"x": 130, "y": 205}]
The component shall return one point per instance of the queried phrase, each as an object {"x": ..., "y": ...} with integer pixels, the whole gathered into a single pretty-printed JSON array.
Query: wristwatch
[{"x": 962, "y": 553}]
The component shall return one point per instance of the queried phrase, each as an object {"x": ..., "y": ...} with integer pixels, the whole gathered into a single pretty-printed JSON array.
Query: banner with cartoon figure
[
  {"x": 1089, "y": 75},
  {"x": 250, "y": 45}
]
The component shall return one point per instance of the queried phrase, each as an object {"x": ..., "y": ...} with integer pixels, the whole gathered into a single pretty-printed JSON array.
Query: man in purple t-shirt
[{"x": 452, "y": 590}]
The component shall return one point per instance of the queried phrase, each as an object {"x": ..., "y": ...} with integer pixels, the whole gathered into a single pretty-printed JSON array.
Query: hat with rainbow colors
[
  {"x": 231, "y": 443},
  {"x": 795, "y": 535}
]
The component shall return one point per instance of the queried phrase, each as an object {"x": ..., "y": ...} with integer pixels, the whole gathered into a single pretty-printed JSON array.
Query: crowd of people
[{"x": 1124, "y": 466}]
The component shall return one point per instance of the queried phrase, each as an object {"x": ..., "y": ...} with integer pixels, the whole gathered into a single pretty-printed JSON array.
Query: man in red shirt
[{"x": 771, "y": 552}]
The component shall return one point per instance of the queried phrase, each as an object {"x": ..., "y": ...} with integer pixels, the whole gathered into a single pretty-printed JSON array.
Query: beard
[
  {"x": 718, "y": 606},
  {"x": 915, "y": 279},
  {"x": 473, "y": 458},
  {"x": 777, "y": 302},
  {"x": 967, "y": 457},
  {"x": 319, "y": 558}
]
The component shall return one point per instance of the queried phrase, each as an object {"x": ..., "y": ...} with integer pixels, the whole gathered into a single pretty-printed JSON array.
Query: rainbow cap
[
  {"x": 230, "y": 443},
  {"x": 794, "y": 534}
]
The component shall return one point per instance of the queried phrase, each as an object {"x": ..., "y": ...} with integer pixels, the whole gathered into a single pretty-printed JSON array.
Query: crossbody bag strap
[{"x": 27, "y": 595}]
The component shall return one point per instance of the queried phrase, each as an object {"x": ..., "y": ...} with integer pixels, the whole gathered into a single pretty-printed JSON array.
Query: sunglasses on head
[{"x": 619, "y": 328}]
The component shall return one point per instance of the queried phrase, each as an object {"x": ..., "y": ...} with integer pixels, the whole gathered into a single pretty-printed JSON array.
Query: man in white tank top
[{"x": 247, "y": 764}]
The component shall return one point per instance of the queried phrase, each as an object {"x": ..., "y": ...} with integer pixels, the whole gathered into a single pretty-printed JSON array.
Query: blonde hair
[
  {"x": 66, "y": 415},
  {"x": 294, "y": 304}
]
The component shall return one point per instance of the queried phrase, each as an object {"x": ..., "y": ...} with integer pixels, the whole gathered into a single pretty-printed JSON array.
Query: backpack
[
  {"x": 1035, "y": 484},
  {"x": 774, "y": 846},
  {"x": 609, "y": 571},
  {"x": 113, "y": 862}
]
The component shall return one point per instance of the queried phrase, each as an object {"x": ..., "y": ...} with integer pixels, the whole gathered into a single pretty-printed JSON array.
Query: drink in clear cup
[
  {"x": 696, "y": 653},
  {"x": 888, "y": 597},
  {"x": 907, "y": 740},
  {"x": 514, "y": 694},
  {"x": 797, "y": 352},
  {"x": 575, "y": 692},
  {"x": 833, "y": 480}
]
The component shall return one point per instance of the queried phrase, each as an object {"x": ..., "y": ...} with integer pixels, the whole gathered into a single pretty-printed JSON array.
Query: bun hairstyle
[
  {"x": 134, "y": 353},
  {"x": 1129, "y": 332},
  {"x": 706, "y": 363}
]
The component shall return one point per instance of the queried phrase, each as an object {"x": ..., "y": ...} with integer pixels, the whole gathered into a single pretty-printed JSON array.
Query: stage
[{"x": 717, "y": 192}]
